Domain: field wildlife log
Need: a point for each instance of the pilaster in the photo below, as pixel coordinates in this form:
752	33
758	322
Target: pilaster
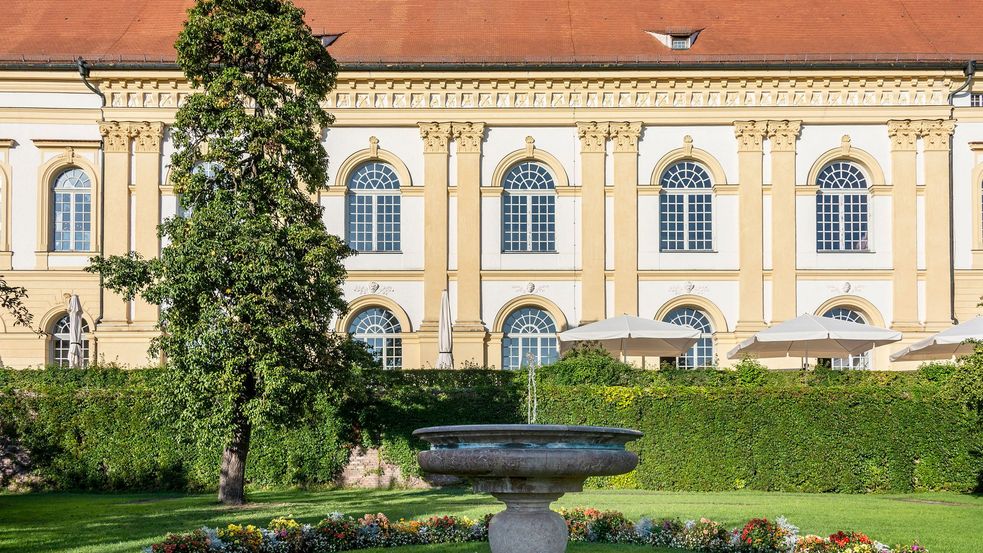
625	136
6	255
147	146
750	135
116	223
593	145
436	138
936	139
783	137
904	144
469	331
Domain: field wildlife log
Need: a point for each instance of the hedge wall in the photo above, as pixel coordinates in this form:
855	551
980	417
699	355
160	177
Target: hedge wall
97	429
790	439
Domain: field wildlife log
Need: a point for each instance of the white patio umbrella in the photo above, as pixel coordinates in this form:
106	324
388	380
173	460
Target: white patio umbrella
811	336
951	342
627	335
445	359
74	332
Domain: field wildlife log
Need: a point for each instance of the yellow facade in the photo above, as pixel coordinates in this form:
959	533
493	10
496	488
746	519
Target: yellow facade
455	114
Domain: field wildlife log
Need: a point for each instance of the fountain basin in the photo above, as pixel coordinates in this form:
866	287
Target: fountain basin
528	467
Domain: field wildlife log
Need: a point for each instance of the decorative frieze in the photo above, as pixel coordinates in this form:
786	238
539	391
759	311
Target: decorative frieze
625	136
468	136
783	134
749	135
436	137
593	136
385	92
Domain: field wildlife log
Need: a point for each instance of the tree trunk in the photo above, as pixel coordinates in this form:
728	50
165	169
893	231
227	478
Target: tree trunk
232	479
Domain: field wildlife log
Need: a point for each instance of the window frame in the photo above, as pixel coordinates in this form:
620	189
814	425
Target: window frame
705	341
390	340
526	198
73	195
688	194
60	341
840	196
866	359
544	342
388	197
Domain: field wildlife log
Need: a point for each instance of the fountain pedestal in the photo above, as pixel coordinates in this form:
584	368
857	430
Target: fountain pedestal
527	467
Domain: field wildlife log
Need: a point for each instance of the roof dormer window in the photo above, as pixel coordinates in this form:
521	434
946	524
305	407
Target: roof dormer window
676	39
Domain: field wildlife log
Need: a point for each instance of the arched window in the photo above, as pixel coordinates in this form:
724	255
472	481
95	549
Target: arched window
530	337
861	361
529	209
373	208
61	342
842	212
686	208
701	354
73	211
379	328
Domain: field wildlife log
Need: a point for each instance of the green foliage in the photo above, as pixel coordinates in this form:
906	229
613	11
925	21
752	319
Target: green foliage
965	384
250	276
587	364
812	439
750	373
101	429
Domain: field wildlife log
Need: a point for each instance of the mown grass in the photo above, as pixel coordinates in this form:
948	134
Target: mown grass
116	523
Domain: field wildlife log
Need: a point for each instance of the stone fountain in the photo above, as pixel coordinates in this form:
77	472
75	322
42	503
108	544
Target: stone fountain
527	467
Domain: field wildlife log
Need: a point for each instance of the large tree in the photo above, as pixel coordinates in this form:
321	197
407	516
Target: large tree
249	279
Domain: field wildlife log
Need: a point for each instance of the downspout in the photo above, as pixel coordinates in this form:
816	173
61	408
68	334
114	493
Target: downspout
970	72
83	69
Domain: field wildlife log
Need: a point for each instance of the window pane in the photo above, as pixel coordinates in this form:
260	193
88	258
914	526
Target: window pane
672	223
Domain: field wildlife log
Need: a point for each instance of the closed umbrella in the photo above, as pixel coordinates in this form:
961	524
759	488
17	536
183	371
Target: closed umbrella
944	345
74	332
635	336
809	335
445	359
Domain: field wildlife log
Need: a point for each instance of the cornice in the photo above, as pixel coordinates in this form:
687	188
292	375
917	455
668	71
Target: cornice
73	144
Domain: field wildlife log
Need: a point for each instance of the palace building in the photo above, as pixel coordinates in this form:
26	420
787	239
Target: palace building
724	165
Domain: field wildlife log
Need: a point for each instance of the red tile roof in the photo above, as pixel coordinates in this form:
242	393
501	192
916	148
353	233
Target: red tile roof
537	32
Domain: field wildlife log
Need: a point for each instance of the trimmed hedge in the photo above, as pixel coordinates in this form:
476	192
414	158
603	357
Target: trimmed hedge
98	429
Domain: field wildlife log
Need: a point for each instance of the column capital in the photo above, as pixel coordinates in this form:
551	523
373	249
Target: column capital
937	134
749	135
903	134
593	136
436	137
148	135
783	135
469	136
116	136
626	136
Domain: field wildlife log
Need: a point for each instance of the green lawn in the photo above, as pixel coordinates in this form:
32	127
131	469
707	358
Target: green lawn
91	523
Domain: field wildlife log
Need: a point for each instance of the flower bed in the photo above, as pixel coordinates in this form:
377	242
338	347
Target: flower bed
338	532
